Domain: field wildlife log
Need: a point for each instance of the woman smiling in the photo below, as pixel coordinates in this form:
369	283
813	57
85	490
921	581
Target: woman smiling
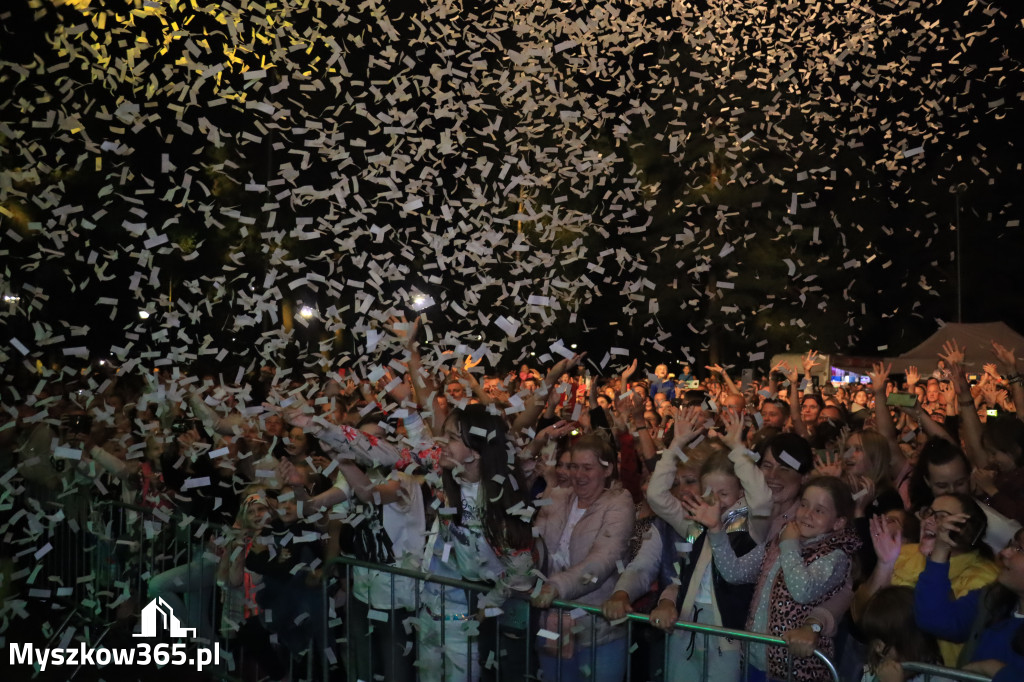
586	530
475	538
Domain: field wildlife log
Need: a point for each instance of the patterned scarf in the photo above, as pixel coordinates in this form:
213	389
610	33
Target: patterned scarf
784	613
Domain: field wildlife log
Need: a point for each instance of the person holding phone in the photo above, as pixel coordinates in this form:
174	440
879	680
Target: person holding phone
986	620
970	561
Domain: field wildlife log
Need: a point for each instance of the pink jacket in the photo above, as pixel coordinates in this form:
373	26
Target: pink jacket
598	543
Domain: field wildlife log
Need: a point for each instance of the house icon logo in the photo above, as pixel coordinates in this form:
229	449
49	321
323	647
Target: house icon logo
159	610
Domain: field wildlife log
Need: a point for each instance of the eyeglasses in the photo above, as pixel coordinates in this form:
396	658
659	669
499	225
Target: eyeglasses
928	512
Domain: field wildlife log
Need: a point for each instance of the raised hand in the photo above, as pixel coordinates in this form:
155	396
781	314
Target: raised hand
632	403
948	393
562	366
790	531
687	426
707	515
403	331
832	465
559	429
959	379
947	527
791	372
913	376
629	371
887	539
864	494
991	370
1004	401
288	474
990	393
1006	356
879	373
952	352
733	436
810	361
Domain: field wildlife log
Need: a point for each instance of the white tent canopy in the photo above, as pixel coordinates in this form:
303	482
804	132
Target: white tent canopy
975	338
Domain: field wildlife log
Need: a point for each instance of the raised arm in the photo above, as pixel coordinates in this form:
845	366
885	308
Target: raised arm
970	425
534	407
482	396
423	386
544	436
365	489
1013	368
631	403
932	428
729	385
887	542
756	492
125	471
687	427
626	374
794	402
224	425
883	419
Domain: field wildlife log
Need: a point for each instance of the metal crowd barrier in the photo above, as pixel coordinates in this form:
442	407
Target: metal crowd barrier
99	562
706	631
938	673
109	563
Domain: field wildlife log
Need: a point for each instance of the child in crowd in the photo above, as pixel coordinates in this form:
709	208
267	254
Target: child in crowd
808	565
702	595
894	638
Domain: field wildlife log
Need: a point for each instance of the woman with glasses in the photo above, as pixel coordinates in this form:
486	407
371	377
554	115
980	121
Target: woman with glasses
942	467
988	621
970	565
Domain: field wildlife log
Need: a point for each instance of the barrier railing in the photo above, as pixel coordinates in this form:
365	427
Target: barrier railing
126	547
937	673
708	631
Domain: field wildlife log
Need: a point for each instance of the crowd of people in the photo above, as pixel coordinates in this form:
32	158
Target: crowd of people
879	523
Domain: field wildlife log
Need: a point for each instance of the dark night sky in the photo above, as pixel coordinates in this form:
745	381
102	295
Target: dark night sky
715	179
